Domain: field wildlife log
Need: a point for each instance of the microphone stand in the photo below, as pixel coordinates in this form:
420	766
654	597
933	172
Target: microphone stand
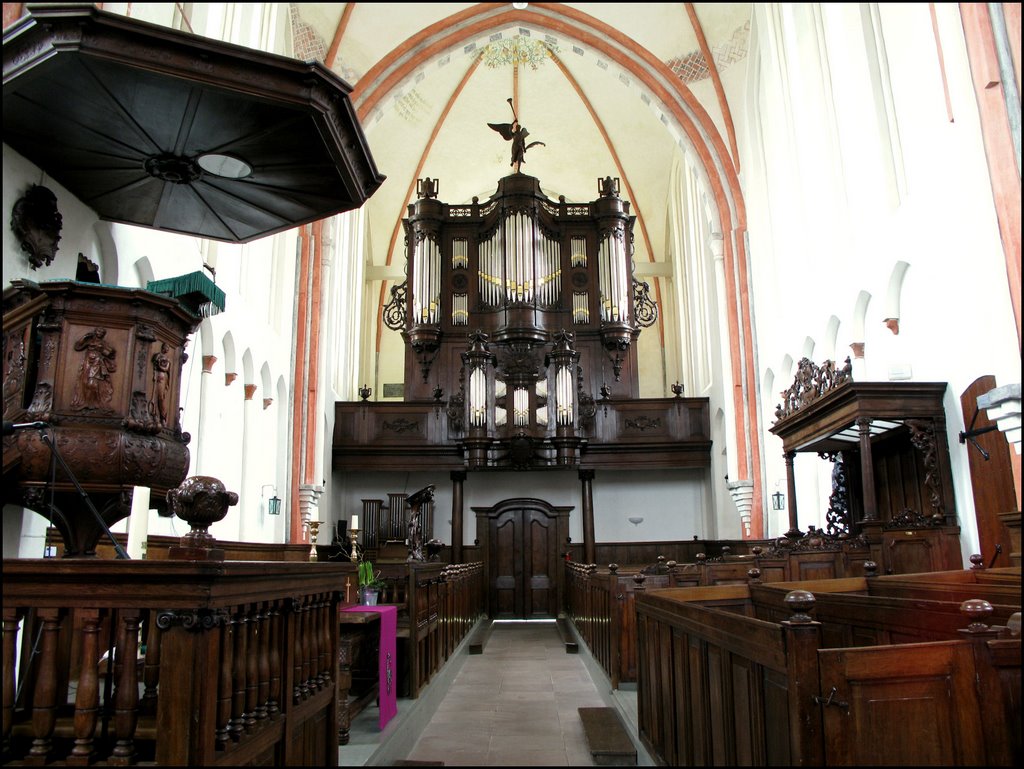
122	554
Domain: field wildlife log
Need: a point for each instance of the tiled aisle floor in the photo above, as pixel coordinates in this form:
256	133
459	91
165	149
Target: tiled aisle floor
514	705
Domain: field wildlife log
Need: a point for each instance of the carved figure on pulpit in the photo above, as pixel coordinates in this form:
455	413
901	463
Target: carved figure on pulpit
161	383
94	387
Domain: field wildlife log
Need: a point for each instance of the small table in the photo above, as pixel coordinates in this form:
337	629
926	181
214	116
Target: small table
358	682
367	633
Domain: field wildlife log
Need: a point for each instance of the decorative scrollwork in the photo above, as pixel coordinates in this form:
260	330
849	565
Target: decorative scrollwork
837	516
814	541
36	223
922	437
394	310
811	383
401	426
587	406
194	621
911	519
643	423
644	308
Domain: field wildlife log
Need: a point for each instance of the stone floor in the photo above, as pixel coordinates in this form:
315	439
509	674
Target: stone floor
514	705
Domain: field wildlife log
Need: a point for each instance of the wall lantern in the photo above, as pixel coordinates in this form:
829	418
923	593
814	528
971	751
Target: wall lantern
274	503
778	501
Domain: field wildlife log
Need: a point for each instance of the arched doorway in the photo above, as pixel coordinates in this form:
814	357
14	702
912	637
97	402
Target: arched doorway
522	543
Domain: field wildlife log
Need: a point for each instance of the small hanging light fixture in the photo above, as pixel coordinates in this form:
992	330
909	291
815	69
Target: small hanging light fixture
778	501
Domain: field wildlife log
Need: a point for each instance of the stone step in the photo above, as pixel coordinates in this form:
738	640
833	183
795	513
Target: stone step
607	737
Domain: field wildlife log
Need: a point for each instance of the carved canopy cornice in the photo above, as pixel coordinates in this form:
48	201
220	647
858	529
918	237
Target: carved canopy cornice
811	383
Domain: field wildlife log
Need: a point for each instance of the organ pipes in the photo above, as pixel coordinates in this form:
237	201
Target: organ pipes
613	277
478	398
563	396
426	294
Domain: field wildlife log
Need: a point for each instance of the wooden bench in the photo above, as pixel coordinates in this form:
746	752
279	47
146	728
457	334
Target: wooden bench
609	742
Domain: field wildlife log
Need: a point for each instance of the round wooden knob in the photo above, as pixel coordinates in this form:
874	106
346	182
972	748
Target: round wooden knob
800	602
870	569
613	567
976	610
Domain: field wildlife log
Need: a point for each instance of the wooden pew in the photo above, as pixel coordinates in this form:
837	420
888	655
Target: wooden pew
437	606
824	672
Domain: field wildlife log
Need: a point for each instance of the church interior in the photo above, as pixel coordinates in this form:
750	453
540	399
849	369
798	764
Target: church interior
511	383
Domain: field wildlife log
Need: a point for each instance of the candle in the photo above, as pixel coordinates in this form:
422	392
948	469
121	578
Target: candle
138	522
355	522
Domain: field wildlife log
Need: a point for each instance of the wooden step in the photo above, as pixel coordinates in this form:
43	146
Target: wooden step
571	647
609	742
479	638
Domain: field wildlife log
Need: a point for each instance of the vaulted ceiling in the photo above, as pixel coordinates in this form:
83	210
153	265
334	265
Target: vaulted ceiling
611	89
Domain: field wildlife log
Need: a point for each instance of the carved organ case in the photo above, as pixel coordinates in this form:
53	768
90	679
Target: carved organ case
516	312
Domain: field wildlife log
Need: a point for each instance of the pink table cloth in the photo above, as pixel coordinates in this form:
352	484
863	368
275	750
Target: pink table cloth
386	663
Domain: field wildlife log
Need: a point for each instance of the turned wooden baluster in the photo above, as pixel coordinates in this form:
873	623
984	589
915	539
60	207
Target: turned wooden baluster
151	667
307	646
44	701
301	688
263	661
325	640
252	667
126	697
225	684
274	694
237	724
316	671
10	631
87	698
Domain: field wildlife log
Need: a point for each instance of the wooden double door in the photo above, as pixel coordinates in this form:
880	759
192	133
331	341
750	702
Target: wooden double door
523	543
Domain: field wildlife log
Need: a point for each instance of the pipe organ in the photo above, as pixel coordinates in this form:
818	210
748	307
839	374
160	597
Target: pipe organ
516	312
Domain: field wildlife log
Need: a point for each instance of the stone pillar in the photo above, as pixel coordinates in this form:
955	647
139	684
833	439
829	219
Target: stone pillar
458	479
248	525
204	399
589	548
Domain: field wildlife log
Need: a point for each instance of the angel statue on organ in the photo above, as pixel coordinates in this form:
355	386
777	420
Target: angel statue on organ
515	133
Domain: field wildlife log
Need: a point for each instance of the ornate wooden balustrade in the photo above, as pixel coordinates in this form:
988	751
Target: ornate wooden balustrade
230	662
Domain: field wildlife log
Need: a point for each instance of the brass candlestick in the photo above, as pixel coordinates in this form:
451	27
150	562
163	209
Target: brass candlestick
353	535
314	531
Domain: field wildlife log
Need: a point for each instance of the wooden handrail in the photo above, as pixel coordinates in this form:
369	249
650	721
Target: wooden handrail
234	660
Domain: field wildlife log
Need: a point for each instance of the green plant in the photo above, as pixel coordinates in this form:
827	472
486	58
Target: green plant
368	577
